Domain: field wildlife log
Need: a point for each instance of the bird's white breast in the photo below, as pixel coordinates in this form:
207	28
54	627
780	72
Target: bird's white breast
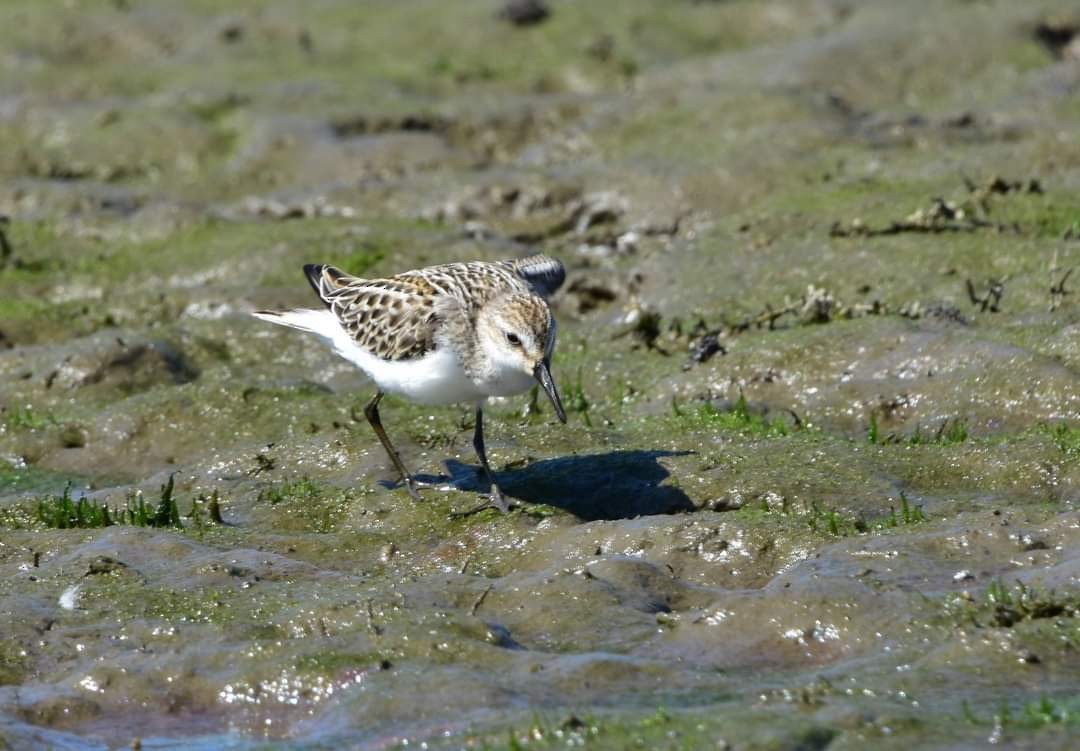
435	378
507	382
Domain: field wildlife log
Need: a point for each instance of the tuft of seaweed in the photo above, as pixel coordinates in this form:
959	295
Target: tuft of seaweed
65	512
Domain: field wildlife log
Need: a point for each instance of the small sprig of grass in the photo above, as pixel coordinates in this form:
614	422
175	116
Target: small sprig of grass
576	399
302	489
1047	711
951	431
65	512
1030	716
829	521
1067	438
1021	603
167	514
739	418
28	418
304	505
908	514
1002	606
834	523
208	506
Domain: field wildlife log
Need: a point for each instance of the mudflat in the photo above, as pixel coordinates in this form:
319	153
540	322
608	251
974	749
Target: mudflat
819	344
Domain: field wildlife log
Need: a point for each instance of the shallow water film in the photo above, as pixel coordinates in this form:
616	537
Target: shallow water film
819	345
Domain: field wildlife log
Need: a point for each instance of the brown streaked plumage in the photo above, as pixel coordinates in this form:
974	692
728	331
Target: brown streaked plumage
396	318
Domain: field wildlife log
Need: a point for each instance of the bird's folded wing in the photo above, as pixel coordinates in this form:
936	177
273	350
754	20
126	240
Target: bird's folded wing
391	318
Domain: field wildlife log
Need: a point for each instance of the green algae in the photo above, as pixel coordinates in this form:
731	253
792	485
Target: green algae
15	665
739	418
16	480
307	506
61	512
1066	437
1046	711
813	522
65	512
1005	606
29	419
671	728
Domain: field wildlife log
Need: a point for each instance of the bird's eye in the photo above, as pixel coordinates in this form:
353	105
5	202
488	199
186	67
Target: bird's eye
513	338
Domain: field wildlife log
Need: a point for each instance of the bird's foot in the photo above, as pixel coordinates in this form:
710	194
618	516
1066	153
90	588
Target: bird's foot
414	485
496	500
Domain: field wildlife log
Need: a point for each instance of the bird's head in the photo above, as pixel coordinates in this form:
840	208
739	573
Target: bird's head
517	332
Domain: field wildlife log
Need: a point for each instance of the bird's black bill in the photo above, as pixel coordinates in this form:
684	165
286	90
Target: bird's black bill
543	375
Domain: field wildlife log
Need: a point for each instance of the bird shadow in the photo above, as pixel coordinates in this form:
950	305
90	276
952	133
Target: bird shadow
613	485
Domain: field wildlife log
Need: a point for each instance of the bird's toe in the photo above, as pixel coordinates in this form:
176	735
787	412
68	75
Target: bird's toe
498	500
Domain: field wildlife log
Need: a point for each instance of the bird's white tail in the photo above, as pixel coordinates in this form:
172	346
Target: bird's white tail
321	322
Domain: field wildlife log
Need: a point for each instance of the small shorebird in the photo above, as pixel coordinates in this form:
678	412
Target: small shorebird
458	332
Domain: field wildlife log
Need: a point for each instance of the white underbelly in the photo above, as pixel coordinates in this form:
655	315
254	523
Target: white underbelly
435	378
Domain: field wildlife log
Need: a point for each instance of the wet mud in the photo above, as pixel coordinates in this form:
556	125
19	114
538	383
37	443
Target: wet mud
819	344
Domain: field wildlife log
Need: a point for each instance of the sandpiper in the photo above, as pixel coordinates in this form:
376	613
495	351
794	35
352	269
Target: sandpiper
457	332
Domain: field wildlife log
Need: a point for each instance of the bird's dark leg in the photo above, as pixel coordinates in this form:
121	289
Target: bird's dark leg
371	412
478	444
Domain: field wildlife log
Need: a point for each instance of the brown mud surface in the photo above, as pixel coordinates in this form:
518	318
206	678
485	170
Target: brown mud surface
819	342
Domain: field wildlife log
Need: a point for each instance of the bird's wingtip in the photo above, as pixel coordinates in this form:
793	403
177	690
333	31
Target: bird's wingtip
313	272
543	272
